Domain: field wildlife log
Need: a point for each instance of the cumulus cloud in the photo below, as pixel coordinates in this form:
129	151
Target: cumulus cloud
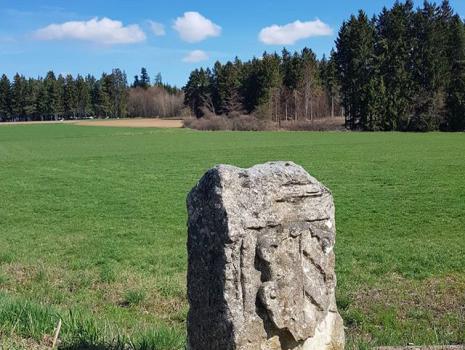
157	28
102	31
290	33
196	56
193	27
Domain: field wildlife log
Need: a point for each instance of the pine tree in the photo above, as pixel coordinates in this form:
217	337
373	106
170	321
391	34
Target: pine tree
93	87
427	78
52	98
393	49
103	99
136	83
39	105
198	92
260	79
226	96
83	89
455	116
144	81
31	92
357	67
70	97
5	98
18	97
117	87
60	88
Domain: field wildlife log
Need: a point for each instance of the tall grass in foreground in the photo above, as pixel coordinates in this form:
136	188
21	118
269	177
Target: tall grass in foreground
28	320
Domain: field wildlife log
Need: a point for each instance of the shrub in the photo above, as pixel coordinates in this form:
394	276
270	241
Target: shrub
252	123
324	124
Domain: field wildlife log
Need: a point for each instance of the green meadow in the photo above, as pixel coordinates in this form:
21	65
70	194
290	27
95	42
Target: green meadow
93	231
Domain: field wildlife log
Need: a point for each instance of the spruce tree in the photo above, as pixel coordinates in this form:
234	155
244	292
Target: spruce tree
144	80
40	102
455	101
70	98
426	64
5	98
31	92
198	92
52	96
357	67
83	95
18	96
393	49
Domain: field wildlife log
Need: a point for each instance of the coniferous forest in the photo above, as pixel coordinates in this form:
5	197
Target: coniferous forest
67	97
401	70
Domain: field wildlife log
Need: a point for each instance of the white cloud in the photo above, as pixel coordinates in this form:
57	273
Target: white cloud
157	28
102	31
290	33
193	27
196	56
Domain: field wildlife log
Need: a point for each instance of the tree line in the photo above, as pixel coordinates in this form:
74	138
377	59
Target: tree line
67	97
403	69
286	86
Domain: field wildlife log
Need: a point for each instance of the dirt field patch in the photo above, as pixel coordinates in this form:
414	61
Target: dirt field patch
134	123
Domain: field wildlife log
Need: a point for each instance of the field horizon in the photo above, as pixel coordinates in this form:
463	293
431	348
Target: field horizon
93	231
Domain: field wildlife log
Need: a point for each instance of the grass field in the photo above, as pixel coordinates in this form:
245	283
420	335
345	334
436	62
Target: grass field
93	231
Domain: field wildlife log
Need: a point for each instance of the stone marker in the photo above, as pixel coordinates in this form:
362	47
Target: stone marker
261	261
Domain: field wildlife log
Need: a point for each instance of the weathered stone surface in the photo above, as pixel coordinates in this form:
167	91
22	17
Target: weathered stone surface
261	261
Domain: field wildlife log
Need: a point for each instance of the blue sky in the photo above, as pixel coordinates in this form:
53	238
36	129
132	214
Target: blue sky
172	37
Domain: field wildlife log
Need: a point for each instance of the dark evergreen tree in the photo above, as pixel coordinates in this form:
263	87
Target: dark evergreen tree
103	107
52	96
116	85
40	102
30	96
260	80
198	92
426	70
83	96
5	98
455	116
393	49
357	67
226	95
70	97
18	97
136	83
144	80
